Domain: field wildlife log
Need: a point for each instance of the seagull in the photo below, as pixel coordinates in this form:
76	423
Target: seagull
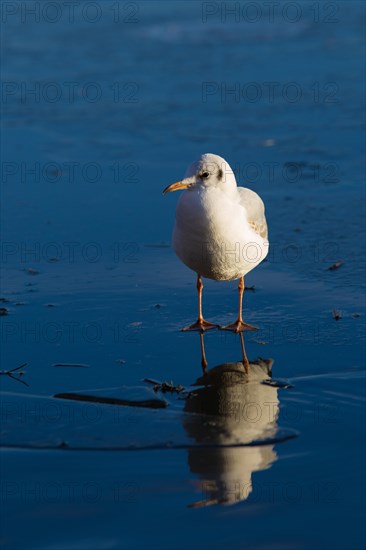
220	230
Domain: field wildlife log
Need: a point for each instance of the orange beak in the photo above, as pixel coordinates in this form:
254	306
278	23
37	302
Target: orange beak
184	184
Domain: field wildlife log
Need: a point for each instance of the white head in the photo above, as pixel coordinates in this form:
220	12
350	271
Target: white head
208	171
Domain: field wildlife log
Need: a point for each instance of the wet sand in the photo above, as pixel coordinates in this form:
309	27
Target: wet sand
94	296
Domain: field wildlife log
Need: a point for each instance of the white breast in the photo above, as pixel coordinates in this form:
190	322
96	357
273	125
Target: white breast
212	235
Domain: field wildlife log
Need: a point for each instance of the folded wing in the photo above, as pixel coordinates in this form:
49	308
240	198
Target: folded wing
255	211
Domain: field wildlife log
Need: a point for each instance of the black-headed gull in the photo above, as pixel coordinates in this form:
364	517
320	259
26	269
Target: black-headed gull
220	229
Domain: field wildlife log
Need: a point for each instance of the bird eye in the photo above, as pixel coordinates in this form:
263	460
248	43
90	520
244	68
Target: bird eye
205	175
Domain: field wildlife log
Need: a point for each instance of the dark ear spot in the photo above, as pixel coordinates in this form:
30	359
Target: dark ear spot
219	174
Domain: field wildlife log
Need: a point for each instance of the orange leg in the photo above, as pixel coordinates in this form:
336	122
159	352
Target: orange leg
200	324
239	325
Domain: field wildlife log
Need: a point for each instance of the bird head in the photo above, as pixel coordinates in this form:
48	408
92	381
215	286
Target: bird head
208	171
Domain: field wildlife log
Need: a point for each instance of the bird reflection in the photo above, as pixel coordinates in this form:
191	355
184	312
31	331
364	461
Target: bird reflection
233	429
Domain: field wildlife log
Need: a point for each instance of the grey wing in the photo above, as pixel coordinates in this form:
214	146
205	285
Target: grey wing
255	210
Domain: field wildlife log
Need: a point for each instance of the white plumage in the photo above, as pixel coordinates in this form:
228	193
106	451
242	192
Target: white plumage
220	230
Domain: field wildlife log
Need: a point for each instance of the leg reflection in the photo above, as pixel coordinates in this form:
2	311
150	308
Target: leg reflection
243	352
203	354
204	362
